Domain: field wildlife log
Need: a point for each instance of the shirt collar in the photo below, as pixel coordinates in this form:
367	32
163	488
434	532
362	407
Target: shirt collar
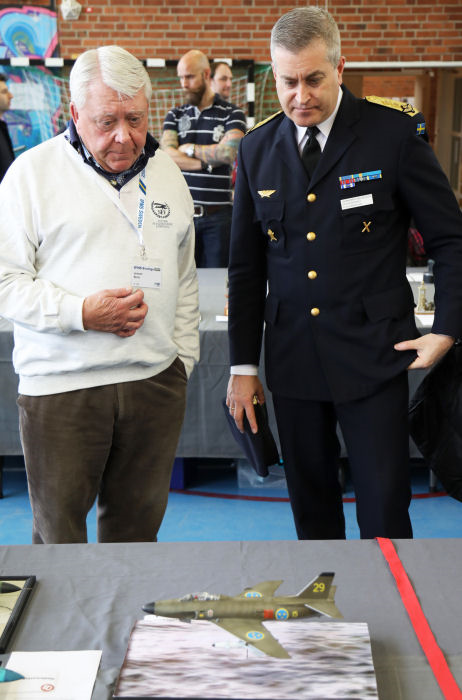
324	127
117	180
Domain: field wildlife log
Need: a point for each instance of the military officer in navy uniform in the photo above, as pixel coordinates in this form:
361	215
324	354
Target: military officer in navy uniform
318	255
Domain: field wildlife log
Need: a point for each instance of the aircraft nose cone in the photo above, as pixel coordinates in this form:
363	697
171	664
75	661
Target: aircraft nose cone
149	608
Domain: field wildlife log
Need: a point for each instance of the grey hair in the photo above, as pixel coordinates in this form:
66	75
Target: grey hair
117	68
302	25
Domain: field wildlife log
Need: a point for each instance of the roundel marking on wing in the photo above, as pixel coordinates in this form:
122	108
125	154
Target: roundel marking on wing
255	636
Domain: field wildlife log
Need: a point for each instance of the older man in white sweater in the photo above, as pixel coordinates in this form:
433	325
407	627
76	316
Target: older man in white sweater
97	273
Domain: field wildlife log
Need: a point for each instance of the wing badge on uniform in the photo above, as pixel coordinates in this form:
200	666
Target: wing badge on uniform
266	193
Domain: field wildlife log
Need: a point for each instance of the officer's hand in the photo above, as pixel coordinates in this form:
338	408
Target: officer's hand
239	399
120	311
430	349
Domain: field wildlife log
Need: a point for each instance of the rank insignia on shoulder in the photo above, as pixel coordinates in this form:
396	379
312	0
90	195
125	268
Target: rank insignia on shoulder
404	107
264	121
266	193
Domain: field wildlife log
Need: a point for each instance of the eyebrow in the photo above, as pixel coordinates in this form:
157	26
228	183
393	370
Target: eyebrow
135	112
315	74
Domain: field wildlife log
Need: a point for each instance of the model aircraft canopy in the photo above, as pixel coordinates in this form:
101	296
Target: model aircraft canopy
199	596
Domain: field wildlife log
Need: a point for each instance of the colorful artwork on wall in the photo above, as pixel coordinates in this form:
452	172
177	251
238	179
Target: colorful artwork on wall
28	31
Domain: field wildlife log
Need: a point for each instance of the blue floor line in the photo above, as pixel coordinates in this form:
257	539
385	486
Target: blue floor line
231	513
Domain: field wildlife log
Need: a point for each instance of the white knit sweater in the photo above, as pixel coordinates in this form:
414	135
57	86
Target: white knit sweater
66	233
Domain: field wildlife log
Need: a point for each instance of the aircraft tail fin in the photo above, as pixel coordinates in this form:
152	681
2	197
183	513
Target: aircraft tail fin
326	606
319	587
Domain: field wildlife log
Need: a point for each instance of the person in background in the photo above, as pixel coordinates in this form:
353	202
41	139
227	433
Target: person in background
324	194
97	274
6	147
222	79
202	136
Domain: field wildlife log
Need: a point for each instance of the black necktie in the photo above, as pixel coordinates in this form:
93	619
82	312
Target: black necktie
311	151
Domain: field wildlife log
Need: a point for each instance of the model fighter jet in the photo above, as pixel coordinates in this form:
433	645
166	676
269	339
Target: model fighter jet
242	615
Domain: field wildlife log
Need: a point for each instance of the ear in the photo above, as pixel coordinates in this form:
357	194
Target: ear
340	67
74	113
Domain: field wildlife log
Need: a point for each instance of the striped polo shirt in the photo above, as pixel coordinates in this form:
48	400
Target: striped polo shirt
207	128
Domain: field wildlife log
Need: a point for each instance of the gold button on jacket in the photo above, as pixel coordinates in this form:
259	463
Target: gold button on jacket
315	311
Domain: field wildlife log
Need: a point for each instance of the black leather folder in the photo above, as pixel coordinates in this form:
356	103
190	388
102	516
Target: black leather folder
260	448
435	420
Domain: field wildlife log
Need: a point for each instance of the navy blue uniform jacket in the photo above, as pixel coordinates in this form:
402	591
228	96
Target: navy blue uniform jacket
329	279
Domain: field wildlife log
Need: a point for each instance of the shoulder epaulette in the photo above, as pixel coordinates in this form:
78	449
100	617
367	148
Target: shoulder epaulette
268	119
404	107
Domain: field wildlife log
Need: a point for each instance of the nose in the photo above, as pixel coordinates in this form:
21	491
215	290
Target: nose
149	608
122	132
303	94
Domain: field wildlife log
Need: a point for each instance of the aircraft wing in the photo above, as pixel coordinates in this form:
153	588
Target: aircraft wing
265	589
254	633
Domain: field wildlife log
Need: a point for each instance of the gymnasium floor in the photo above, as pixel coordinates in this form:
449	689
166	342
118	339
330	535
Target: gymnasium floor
225	501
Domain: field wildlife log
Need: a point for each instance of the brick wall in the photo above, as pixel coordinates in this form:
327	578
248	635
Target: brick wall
372	30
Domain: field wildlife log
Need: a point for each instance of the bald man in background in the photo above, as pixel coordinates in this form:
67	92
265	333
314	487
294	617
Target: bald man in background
202	136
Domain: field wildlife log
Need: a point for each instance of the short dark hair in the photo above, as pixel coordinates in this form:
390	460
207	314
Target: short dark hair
3	78
299	27
216	65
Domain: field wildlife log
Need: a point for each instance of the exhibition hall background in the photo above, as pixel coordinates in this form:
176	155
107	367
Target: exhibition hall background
404	49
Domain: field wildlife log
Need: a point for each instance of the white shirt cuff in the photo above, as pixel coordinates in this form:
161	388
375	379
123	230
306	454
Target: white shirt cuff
244	369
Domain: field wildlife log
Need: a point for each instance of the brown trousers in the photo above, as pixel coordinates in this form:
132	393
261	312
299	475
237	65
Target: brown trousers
113	443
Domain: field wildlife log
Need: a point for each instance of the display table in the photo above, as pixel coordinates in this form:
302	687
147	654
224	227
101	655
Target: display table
88	596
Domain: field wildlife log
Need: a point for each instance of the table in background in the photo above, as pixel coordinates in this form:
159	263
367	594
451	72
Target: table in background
205	433
88	596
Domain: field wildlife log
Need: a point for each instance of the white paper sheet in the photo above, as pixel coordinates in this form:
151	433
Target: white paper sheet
62	675
415	276
426	320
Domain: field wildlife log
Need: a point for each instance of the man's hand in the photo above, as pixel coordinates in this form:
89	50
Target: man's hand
430	348
169	144
239	399
184	148
120	311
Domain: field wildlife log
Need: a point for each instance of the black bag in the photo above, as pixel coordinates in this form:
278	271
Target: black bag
435	420
259	448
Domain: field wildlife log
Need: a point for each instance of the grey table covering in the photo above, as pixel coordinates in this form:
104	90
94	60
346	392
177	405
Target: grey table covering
88	596
205	432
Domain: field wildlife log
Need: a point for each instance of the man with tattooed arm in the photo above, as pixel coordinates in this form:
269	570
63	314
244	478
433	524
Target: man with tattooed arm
202	136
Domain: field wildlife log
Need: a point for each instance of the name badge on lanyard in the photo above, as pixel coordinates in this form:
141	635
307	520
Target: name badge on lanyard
144	272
